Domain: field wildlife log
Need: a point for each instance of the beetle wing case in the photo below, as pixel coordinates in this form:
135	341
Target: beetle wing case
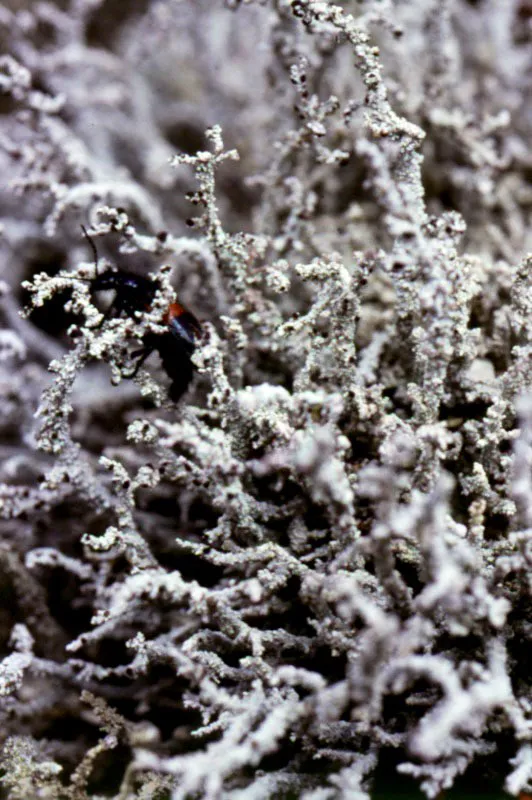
185	328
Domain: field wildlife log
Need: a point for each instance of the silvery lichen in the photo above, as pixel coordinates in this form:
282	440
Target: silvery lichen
315	569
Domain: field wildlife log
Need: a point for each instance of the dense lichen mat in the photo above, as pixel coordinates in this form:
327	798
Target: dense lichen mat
265	399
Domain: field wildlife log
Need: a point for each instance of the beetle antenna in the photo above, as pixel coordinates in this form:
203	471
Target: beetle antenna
93	246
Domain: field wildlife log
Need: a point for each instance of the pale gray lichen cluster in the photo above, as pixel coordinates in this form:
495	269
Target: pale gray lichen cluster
316	568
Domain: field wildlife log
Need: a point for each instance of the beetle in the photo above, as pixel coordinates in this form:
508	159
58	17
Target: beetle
175	345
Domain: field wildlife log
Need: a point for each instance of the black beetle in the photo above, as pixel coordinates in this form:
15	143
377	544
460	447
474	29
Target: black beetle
134	293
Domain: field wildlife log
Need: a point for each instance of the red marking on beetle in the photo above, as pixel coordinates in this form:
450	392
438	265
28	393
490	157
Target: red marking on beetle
173	311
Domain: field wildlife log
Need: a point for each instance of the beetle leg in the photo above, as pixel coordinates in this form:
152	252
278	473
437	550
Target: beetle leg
143	353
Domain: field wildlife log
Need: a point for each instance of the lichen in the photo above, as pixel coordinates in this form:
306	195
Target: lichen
316	567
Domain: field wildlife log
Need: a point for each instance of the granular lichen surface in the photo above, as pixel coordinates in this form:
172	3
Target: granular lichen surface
310	577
